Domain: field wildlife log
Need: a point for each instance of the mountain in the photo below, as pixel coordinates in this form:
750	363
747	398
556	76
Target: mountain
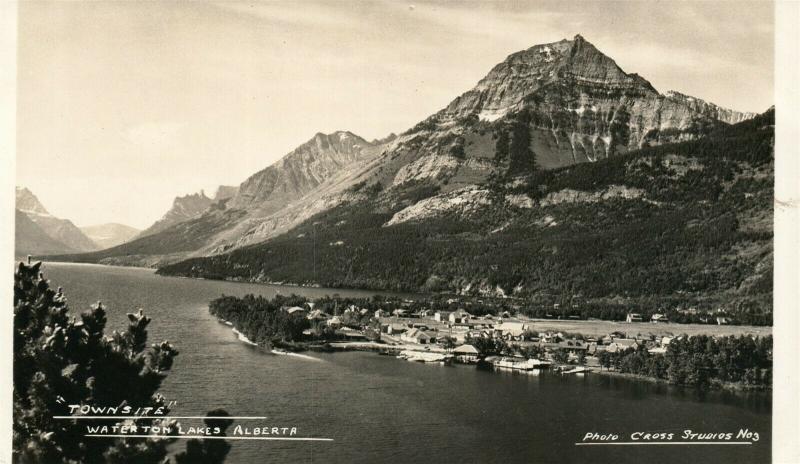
684	224
280	195
541	109
61	231
300	171
109	235
325	161
183	208
567	102
30	239
188	207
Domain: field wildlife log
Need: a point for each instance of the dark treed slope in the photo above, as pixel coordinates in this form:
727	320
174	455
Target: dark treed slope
688	223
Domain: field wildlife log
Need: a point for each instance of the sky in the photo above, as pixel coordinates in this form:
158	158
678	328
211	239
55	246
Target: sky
122	106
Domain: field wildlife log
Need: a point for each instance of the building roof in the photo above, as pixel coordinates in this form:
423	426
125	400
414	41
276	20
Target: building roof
465	349
626	342
416	334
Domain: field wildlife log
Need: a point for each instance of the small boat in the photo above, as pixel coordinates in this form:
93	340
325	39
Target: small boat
518	364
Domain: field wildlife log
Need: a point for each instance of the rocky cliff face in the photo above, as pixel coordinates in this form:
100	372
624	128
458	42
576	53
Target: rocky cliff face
183	208
300	171
189	207
226	191
61	231
707	109
576	106
576	61
27	202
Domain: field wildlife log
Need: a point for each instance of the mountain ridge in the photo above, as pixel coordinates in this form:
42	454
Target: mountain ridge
546	107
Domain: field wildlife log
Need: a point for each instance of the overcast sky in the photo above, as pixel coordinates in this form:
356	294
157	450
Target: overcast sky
123	106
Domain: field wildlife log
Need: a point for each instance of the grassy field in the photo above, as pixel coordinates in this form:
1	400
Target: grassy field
595	328
599	328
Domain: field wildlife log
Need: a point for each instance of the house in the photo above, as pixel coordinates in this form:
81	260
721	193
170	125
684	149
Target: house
441	316
573	345
318	315
295	309
626	342
459	316
350	334
511	330
466	353
393	329
400	312
633	317
415	336
334	322
622	344
380	313
593	349
723	320
656	318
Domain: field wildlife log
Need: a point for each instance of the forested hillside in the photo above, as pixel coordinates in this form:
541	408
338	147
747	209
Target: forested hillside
678	225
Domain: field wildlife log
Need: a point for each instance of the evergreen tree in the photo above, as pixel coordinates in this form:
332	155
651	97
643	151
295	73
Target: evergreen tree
61	360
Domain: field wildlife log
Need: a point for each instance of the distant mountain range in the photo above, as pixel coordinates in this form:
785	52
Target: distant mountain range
541	159
110	234
38	231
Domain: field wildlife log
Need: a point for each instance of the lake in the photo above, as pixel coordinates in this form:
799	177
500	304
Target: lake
381	409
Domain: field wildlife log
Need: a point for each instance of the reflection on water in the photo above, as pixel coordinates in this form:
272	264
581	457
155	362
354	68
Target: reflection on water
381	409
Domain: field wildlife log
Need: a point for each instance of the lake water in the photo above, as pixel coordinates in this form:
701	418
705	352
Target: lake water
380	409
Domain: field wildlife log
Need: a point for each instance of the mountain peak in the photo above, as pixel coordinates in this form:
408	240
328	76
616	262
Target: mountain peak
576	63
300	171
28	203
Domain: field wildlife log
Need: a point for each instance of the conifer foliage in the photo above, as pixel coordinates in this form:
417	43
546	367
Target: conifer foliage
62	360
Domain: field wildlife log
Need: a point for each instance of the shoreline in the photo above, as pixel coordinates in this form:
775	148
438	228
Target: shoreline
385	349
713	386
556	324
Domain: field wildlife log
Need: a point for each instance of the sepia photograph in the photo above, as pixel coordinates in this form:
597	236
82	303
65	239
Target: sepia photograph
394	232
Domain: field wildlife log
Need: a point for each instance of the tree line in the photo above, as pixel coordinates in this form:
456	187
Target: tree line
700	361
